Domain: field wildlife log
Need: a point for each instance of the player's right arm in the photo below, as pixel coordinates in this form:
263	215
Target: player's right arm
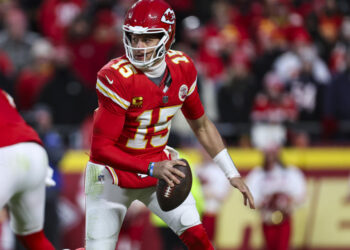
104	136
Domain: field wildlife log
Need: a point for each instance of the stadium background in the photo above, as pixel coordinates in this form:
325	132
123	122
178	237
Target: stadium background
283	63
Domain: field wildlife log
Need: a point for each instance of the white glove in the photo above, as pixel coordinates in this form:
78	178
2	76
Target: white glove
48	180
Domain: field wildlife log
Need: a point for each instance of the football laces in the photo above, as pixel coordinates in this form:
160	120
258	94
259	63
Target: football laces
168	191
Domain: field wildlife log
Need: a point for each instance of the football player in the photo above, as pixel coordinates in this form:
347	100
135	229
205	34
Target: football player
24	169
139	93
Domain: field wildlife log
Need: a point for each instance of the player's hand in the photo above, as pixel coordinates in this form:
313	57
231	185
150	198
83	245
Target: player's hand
165	170
238	183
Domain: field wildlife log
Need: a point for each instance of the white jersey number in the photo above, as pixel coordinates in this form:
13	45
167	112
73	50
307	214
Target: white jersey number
126	70
177	56
164	123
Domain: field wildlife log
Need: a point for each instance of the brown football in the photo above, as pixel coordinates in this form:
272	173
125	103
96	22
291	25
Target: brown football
171	197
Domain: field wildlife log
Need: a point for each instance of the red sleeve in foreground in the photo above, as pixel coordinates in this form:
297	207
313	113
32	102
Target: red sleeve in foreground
107	129
192	107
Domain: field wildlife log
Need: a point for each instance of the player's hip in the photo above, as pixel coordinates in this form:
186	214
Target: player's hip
24	163
128	179
97	173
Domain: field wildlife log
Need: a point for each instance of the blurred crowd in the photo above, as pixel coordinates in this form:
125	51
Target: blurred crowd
270	72
277	67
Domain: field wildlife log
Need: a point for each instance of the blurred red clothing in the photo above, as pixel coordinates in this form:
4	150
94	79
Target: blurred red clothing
297	34
88	57
218	46
13	127
329	26
281	231
29	85
277	190
91	52
6	66
56	15
279	110
181	5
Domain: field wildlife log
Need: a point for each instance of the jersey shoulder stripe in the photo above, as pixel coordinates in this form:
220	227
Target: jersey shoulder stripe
192	88
104	90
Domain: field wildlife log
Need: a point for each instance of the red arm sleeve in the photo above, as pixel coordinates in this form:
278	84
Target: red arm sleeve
103	148
192	107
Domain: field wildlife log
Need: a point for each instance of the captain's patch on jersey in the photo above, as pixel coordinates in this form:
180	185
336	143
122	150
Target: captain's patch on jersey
183	92
137	102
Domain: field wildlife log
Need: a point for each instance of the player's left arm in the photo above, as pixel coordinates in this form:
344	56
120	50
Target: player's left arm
211	140
207	133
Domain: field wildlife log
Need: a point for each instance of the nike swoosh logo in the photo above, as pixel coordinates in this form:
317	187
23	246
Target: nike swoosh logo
109	81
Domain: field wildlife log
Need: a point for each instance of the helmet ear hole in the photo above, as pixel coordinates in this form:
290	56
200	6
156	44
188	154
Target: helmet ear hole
128	36
159	35
160	51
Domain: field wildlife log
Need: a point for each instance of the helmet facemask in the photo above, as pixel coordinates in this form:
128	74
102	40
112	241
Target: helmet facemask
159	50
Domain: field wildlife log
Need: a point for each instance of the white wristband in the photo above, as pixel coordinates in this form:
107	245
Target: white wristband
224	161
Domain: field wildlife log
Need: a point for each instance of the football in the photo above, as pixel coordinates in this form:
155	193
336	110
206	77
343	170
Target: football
171	197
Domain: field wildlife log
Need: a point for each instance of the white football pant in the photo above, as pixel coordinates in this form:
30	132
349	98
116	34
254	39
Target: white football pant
23	169
106	206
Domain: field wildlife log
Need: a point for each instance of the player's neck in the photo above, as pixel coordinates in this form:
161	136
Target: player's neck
156	70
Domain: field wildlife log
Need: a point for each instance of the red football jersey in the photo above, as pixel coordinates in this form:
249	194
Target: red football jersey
13	129
148	109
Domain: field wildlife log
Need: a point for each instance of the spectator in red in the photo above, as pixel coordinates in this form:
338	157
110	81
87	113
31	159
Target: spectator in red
271	110
6	72
271	99
34	76
278	190
55	16
274	104
222	36
92	45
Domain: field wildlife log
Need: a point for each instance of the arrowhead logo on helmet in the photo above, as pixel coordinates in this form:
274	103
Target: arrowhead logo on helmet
168	16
